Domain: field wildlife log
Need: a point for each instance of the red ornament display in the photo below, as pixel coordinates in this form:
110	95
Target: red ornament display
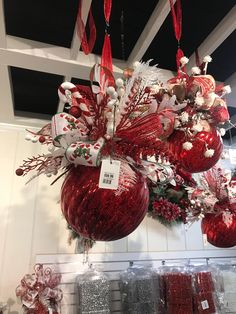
103	214
220	230
194	159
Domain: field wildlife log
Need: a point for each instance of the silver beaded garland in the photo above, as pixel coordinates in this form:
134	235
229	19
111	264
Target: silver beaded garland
139	290
93	293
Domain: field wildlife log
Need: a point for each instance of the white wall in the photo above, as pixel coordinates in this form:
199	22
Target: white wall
31	222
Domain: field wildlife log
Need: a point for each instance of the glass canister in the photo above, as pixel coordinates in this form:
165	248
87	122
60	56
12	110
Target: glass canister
92	289
139	290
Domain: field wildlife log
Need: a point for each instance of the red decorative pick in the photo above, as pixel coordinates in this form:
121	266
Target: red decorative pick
86	45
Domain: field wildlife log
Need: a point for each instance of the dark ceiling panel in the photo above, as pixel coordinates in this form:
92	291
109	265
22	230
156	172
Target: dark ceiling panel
35	92
199	19
50	22
135	16
77	81
223	64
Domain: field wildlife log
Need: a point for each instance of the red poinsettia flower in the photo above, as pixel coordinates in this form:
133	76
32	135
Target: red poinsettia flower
166	209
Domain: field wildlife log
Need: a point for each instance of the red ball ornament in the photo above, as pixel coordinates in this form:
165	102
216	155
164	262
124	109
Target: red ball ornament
104	214
75	111
220	114
220	229
194	159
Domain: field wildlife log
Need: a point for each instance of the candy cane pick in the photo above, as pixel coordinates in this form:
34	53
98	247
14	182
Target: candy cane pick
67	91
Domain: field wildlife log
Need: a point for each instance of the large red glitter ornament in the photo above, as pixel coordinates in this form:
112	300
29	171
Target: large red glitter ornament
194	159
220	229
104	214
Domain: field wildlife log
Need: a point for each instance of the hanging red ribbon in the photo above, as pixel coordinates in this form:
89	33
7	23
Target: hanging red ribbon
86	45
179	55
177	18
106	58
107	10
177	23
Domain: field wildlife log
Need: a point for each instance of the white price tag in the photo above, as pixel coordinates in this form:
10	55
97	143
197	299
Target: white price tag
205	305
205	242
232	156
109	174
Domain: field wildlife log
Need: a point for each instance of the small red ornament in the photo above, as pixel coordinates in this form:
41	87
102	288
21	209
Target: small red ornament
42	139
194	159
220	229
75	111
220	114
103	214
19	172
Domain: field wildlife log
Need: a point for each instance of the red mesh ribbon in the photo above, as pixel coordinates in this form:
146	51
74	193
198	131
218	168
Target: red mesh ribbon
146	130
86	45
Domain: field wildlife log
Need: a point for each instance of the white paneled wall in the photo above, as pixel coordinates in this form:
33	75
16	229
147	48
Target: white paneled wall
31	222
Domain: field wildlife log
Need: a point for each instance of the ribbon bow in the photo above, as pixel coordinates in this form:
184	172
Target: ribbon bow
39	293
70	134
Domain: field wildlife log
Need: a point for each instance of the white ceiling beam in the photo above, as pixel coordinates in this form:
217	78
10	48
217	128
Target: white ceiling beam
6	101
75	44
13	42
50	59
151	29
226	26
2	26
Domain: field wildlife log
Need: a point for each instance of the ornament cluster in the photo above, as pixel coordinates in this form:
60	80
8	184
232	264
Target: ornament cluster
158	132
